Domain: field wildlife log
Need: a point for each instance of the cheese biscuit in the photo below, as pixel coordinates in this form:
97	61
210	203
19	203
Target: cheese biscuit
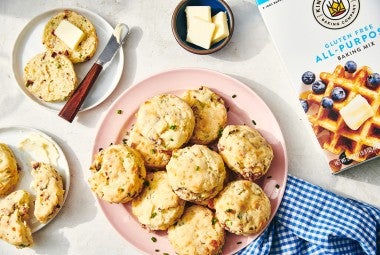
198	232
118	174
245	151
196	173
48	185
14	210
86	47
242	208
50	77
210	114
157	207
9	173
166	120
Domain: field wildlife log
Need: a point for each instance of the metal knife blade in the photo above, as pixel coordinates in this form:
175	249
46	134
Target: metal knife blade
116	40
72	106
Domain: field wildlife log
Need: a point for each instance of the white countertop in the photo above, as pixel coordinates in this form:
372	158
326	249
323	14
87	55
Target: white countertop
81	227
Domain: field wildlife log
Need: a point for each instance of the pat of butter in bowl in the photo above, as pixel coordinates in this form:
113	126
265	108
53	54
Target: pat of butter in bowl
204	30
70	34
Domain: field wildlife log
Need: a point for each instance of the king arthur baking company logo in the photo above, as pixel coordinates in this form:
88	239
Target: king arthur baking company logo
335	14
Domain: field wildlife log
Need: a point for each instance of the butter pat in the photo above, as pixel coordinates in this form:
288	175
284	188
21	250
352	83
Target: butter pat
202	12
356	112
70	34
200	32
221	27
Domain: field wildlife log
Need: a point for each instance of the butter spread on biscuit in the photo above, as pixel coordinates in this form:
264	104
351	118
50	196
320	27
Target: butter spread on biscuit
356	112
40	149
70	34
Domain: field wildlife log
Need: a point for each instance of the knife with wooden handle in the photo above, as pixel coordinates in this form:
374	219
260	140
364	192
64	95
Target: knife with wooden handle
72	106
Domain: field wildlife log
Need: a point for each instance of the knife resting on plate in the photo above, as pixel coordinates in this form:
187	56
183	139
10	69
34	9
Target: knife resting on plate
72	106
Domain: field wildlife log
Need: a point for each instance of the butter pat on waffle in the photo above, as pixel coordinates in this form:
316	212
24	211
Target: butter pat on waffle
343	109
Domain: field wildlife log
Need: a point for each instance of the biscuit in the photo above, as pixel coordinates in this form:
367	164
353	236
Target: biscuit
196	173
157	207
118	174
197	233
154	155
50	77
242	208
166	120
86	48
9	174
210	114
48	185
245	151
13	215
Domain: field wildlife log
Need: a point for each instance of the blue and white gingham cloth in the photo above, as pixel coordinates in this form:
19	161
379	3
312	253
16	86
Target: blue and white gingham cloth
311	220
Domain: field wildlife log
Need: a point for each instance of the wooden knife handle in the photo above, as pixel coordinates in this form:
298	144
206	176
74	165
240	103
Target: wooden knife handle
72	106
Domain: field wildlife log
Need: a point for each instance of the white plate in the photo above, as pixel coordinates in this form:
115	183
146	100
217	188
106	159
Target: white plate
29	43
12	136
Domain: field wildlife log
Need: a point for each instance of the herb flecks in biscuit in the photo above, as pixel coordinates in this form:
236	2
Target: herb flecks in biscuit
86	47
50	77
48	185
118	174
14	211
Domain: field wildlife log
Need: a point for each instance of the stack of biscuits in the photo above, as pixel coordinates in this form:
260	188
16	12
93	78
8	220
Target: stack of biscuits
176	168
15	204
50	75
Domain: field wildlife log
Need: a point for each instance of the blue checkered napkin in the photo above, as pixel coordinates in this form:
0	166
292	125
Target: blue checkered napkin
311	220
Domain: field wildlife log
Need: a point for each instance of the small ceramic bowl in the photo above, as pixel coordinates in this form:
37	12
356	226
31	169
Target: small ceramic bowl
179	25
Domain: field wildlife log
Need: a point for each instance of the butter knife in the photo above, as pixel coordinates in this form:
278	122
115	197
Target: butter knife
72	106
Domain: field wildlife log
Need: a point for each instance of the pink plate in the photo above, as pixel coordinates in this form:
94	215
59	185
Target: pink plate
244	107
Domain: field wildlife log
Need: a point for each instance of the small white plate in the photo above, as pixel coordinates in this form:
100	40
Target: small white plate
29	44
13	136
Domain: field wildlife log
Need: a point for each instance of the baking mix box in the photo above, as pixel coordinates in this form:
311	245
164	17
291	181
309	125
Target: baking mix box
331	49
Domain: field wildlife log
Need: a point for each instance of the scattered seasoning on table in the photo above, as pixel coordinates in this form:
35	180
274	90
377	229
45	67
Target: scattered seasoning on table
234	95
153	239
269	176
100	149
157	250
119	111
165	253
277	186
239	242
253	122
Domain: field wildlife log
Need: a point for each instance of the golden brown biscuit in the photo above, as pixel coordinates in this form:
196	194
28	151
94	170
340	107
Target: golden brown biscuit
50	77
197	233
166	120
210	114
242	208
86	48
154	155
118	174
157	207
9	174
196	173
245	151
13	216
48	185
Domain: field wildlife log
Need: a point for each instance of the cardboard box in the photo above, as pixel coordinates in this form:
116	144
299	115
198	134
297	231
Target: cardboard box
331	49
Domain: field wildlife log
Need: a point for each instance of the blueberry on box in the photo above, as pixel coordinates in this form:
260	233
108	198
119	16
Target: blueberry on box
327	103
308	77
318	87
304	105
338	94
350	67
373	81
